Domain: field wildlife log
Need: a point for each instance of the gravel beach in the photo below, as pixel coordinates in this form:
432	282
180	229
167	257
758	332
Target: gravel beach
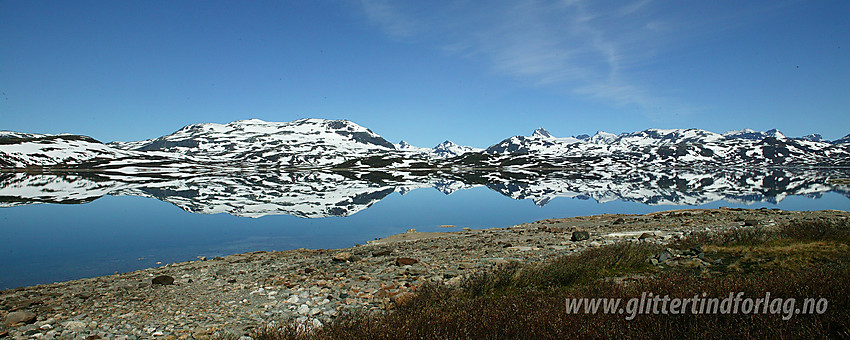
199	299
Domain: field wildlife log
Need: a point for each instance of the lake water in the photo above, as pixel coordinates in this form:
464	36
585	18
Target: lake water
58	228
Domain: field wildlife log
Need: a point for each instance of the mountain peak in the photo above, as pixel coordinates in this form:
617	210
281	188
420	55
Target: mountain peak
602	137
248	121
814	137
445	145
775	133
753	134
541	132
450	149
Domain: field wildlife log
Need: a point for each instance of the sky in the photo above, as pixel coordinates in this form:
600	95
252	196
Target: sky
474	72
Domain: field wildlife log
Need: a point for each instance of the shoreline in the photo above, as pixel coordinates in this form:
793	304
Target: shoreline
237	293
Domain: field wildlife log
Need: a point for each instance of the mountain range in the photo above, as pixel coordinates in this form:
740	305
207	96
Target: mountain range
332	144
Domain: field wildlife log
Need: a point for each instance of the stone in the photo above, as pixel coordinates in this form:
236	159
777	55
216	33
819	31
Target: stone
401	298
646	236
455	281
20	317
696	251
405	261
751	223
579	236
382	252
163	280
74	326
342	257
303	309
619	221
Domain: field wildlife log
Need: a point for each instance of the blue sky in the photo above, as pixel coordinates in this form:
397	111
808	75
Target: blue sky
426	71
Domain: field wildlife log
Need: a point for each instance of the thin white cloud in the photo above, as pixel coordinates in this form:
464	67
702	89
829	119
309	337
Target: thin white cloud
384	13
572	45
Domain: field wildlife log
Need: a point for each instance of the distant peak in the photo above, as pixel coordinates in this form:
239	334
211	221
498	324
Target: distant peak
814	137
739	132
249	121
541	132
775	133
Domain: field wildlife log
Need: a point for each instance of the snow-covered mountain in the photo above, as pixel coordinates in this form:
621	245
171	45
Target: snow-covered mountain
674	148
657	137
753	134
406	147
20	150
602	137
301	143
541	133
540	142
449	149
445	149
319	143
814	137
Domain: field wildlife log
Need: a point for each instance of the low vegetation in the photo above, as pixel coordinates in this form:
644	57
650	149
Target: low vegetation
801	260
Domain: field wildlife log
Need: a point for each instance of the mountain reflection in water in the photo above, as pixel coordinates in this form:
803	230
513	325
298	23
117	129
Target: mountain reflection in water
314	194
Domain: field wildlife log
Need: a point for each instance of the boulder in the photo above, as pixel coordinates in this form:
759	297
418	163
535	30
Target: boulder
342	257
20	317
405	261
579	236
646	236
163	280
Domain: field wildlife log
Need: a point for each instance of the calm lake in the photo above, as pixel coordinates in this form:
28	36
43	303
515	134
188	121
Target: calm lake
72	226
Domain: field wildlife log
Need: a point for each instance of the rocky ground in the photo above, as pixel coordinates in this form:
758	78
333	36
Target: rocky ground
198	299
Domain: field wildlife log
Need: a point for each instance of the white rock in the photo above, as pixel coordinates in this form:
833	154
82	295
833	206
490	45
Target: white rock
303	309
75	326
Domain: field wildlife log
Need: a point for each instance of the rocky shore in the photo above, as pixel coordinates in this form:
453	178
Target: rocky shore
234	294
